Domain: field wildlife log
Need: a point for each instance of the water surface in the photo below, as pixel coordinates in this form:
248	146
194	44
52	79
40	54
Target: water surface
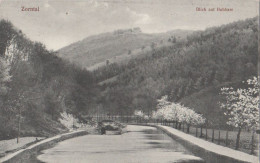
140	144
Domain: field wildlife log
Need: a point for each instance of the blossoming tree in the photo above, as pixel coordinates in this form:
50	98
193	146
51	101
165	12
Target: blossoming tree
139	114
176	112
71	122
241	106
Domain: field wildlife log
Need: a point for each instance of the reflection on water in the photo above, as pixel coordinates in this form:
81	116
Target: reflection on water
139	144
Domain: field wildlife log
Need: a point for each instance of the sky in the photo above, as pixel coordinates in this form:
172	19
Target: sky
62	22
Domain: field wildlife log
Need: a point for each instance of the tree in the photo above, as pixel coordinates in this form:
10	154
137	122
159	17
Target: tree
107	62
4	75
241	106
52	106
5	113
6	35
191	69
139	114
176	112
153	45
35	82
70	121
173	39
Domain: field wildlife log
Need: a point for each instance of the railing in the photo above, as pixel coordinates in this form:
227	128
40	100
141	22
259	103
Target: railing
118	118
248	140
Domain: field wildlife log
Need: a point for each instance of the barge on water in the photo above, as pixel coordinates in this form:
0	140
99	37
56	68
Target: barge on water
109	127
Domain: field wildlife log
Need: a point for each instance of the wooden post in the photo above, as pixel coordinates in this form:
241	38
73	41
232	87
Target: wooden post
218	136
238	138
206	137
252	143
188	128
196	131
19	125
201	132
227	138
212	139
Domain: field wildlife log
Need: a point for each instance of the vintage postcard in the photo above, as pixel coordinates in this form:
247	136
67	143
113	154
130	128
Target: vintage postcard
129	81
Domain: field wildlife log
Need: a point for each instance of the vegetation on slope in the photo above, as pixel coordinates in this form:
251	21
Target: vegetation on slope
40	88
115	47
190	71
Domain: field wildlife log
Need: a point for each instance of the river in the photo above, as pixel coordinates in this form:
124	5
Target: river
141	144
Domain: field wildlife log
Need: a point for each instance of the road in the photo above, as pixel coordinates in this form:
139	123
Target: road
139	144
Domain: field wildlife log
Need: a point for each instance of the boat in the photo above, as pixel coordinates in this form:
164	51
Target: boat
109	127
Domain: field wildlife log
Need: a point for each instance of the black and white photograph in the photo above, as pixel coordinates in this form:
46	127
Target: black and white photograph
129	81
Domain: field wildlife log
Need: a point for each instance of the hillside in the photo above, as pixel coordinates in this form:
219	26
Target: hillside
36	86
115	47
190	71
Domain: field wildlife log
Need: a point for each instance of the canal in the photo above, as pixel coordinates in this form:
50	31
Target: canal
139	144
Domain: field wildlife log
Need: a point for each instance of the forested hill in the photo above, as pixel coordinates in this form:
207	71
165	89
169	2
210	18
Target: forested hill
190	71
116	47
36	86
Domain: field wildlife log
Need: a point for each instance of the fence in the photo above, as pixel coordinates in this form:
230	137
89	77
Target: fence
248	140
119	118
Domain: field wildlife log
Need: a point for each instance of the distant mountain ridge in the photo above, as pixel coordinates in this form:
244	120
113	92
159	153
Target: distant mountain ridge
120	45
